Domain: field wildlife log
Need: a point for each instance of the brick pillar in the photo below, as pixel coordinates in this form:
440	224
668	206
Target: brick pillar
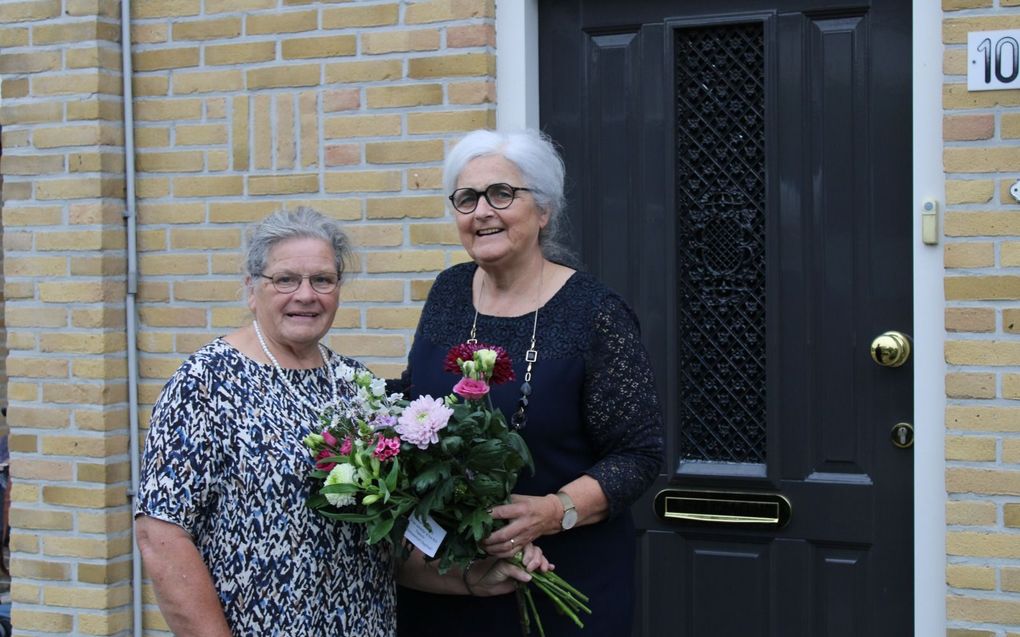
64	244
982	252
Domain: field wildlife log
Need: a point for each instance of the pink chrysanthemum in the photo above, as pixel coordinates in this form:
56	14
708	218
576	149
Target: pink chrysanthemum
386	448
422	420
502	371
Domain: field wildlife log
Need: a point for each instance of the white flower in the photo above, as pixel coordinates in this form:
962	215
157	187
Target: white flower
363	377
341	474
346	373
378	386
486	359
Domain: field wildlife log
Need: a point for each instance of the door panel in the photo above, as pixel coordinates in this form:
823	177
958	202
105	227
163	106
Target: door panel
740	172
747	584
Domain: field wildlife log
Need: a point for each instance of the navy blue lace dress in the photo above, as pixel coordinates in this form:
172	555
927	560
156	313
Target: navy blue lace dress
593	411
224	460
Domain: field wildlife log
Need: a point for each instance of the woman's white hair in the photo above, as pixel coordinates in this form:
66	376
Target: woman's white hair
540	165
300	223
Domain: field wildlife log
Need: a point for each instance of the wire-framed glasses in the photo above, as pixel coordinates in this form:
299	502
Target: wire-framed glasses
499	196
287	282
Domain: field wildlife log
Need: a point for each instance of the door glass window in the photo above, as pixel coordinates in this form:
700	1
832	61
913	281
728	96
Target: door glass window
720	196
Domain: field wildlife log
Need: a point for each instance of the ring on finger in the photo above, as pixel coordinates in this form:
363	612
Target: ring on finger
511	541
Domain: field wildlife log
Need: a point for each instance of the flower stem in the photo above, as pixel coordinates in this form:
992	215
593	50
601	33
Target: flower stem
567	599
534	610
563	605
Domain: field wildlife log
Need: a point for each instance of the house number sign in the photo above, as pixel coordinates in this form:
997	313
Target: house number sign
993	60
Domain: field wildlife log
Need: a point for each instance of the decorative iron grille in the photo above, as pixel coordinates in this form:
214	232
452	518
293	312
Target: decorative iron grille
720	187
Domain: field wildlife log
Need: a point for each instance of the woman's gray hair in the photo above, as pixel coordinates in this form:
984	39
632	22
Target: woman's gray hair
300	223
541	166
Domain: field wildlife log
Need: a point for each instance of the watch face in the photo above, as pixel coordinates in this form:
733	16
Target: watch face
569	518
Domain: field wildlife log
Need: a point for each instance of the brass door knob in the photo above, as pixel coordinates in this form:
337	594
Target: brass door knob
890	349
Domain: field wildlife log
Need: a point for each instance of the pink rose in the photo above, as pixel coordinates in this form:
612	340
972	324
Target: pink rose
325	466
386	448
329	438
345	449
471	389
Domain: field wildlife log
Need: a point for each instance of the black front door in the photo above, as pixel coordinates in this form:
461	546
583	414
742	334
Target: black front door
740	171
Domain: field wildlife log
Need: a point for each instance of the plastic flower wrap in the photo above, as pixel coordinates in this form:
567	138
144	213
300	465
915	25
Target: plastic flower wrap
445	461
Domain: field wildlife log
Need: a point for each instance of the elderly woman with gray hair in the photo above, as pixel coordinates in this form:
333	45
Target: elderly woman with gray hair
222	524
584	398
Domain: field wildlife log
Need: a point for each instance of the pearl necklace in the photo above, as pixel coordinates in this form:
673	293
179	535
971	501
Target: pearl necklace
316	409
520	417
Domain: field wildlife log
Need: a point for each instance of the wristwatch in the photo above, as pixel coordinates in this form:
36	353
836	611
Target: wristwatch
569	512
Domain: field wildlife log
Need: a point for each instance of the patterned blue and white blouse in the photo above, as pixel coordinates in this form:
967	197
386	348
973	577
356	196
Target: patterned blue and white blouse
224	460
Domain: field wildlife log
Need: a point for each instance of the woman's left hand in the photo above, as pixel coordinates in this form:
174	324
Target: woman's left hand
530	517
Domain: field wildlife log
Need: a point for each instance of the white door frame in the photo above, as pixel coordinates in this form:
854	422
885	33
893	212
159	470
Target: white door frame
517	106
929	330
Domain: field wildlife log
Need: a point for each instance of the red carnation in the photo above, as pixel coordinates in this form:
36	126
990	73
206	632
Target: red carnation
502	370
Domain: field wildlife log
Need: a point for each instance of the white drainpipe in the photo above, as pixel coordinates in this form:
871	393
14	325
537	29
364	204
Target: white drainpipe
132	290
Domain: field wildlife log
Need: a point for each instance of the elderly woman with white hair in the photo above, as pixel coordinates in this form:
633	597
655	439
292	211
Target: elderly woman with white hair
222	524
584	399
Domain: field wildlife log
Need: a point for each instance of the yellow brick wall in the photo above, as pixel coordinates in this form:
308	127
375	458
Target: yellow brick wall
981	251
64	299
241	107
347	108
3	325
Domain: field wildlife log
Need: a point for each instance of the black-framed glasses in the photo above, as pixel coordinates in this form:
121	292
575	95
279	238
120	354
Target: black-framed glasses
287	282
499	196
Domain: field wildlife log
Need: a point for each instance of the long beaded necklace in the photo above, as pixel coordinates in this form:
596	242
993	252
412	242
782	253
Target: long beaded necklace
520	417
316	409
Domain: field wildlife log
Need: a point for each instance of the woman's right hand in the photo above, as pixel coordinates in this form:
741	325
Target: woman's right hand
500	576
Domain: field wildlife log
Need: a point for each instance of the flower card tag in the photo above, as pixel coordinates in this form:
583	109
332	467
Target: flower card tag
425	540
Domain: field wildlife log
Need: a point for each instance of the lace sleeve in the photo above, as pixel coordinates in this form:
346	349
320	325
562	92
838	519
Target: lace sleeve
622	412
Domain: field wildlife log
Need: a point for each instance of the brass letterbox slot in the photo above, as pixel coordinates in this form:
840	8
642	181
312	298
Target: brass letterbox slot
723	508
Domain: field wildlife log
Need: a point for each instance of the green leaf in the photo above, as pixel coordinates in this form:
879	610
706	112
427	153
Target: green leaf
347	489
403	507
452	444
316	501
380	530
478	524
424	507
521	447
398	530
391	477
486	455
430	476
358	518
443	493
487	487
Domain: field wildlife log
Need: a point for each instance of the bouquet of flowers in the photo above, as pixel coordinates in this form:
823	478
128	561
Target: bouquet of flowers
432	467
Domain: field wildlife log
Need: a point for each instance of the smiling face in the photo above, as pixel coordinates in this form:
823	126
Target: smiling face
499	238
295	321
